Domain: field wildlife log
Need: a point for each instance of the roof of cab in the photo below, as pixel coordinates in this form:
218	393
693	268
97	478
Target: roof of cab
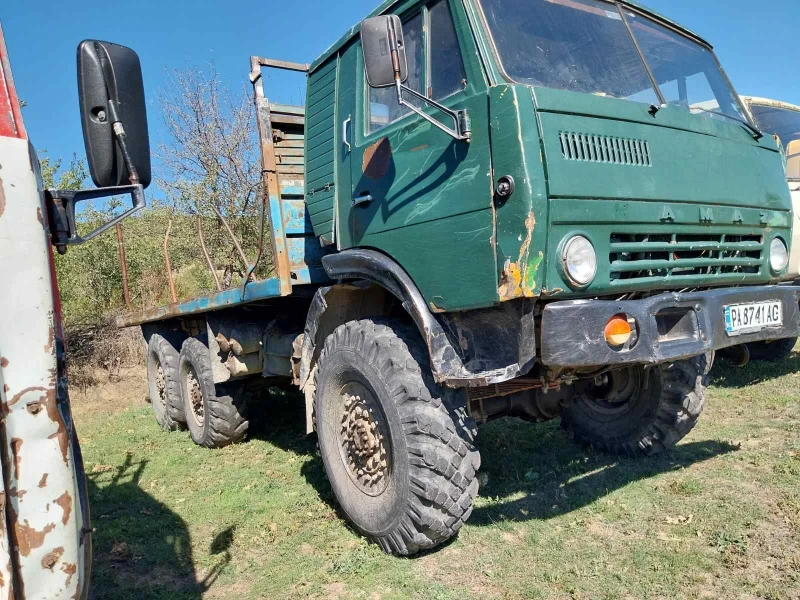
388	5
771	103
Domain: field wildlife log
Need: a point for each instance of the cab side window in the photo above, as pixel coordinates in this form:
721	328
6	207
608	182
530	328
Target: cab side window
447	68
383	105
435	66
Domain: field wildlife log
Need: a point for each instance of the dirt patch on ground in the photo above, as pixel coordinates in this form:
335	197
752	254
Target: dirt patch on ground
455	567
113	393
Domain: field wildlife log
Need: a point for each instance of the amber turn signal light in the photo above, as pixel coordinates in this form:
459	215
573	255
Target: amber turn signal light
618	331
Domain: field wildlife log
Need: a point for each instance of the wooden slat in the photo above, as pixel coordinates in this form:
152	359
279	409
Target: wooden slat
280	151
290	160
287	109
286	119
283	136
291	169
290	144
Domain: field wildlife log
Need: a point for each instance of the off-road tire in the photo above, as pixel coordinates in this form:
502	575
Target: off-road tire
224	414
662	414
432	473
775	351
164	389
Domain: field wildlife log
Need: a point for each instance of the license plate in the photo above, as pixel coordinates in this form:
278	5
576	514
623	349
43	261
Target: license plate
754	316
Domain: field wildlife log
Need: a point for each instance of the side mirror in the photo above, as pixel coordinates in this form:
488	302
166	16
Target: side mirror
386	65
114	119
384	50
111	95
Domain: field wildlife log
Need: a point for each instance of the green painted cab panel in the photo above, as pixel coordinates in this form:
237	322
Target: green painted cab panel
431	207
521	220
320	149
639	157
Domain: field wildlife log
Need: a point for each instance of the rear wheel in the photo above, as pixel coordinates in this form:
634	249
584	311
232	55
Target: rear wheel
637	411
772	351
214	418
396	447
163	383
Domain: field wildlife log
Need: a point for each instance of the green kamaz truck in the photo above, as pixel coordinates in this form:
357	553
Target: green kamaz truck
486	208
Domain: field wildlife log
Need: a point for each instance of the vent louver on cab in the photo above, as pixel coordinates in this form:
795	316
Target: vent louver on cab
605	149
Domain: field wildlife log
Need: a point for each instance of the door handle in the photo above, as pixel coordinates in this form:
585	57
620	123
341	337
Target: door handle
364	198
345	133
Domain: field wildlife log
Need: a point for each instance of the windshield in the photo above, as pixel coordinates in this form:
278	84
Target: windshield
585	46
686	72
784	123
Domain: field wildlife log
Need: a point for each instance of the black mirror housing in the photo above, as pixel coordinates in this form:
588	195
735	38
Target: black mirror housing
111	94
379	36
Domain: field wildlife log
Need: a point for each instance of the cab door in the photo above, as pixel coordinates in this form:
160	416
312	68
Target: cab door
417	194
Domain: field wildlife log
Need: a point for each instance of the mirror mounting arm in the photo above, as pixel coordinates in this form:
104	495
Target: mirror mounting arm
461	125
461	130
61	212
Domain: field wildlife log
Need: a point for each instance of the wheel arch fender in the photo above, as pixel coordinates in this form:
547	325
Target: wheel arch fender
469	349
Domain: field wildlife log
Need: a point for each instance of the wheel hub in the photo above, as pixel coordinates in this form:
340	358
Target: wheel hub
617	391
195	398
363	441
161	387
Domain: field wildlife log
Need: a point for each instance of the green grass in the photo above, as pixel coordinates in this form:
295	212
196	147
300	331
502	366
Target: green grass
718	516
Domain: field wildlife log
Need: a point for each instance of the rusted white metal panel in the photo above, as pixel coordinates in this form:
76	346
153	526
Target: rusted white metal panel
45	522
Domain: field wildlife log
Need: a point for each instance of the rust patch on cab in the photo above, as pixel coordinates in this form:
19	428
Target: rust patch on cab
377	159
51	339
16	445
69	569
16	398
43	481
65	502
50	559
61	432
514	280
29	538
3	362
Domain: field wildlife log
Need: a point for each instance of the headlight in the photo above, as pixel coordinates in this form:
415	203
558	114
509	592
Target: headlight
778	255
579	260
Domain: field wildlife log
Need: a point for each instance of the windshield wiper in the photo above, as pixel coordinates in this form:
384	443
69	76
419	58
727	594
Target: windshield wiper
757	135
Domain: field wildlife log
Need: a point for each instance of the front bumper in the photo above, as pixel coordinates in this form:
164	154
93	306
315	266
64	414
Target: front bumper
671	326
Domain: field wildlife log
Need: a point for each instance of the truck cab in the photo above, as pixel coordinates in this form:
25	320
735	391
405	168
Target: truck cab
615	127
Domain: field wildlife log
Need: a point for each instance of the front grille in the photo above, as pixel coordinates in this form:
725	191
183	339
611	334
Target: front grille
638	256
605	149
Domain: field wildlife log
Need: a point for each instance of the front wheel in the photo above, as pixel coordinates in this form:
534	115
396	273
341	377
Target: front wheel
396	447
639	411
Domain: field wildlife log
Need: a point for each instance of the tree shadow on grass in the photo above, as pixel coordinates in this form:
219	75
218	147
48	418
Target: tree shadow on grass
725	376
556	475
141	548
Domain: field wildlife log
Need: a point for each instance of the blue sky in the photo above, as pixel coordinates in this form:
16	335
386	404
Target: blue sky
753	41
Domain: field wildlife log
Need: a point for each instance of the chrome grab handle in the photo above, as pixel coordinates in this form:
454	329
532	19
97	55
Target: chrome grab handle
345	132
364	198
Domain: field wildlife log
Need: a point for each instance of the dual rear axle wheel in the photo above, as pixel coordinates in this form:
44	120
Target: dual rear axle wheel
183	394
